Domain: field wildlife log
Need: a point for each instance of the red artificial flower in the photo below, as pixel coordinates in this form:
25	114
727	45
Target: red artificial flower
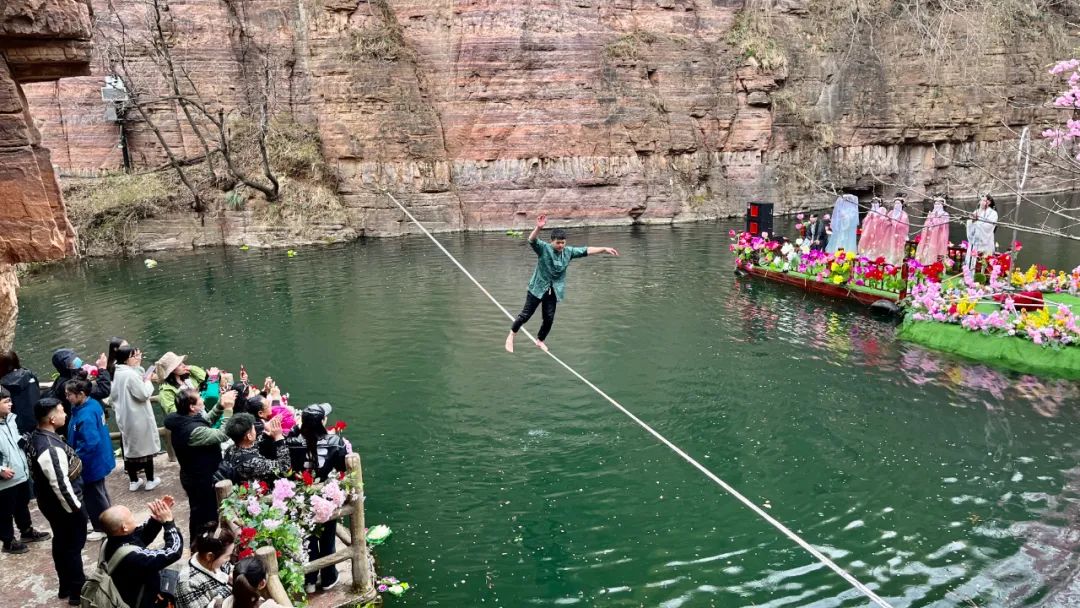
308	478
246	553
880	259
263	487
341	475
277	553
246	534
339	426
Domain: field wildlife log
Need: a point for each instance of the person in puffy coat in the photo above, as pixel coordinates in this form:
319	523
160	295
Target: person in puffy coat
89	435
23	386
67	363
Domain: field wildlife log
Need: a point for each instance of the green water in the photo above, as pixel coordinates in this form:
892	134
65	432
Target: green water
509	483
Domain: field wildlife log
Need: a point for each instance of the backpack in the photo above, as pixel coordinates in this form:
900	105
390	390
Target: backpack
227	470
99	591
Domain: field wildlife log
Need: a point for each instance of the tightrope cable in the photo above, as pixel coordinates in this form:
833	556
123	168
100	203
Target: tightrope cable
821	557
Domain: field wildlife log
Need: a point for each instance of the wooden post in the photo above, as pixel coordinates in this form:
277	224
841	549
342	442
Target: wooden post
222	489
361	571
274	588
166	437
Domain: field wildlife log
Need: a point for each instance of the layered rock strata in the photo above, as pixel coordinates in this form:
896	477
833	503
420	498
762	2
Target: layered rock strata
480	113
40	40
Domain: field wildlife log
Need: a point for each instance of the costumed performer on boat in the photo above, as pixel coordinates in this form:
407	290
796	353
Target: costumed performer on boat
845	222
980	231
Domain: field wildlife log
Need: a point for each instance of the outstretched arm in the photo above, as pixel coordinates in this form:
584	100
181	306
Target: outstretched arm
540	221
596	250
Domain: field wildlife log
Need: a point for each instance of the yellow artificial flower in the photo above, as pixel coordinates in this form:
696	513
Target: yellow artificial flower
838	279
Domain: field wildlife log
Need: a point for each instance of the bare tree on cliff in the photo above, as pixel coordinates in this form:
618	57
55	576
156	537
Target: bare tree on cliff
203	118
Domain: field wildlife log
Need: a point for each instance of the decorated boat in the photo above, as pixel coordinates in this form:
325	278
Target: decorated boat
983	310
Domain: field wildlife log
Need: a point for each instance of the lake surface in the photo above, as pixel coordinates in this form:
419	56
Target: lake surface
509	483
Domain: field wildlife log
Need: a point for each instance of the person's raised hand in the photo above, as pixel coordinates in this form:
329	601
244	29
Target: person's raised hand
168	501
275	393
213	373
273	428
611	251
268	384
228	400
102	361
541	220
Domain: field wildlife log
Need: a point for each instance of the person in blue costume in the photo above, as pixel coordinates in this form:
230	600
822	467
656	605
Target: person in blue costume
845	223
548	284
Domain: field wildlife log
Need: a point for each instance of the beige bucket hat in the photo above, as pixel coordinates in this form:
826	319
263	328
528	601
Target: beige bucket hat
166	364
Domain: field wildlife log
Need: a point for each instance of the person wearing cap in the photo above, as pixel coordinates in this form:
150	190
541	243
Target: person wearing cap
321	453
173	373
130	398
197	445
68	364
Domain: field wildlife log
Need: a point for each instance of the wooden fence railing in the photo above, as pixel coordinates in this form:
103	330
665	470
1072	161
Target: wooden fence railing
353	537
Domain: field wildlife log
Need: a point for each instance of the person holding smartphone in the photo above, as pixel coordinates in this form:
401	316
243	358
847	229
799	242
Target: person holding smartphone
130	398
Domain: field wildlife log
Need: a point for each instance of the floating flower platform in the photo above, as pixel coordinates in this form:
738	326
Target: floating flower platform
1024	321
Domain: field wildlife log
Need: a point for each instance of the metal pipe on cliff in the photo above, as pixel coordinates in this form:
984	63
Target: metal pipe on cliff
1023	151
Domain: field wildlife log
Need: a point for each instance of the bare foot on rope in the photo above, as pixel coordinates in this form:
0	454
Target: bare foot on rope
542	346
510	343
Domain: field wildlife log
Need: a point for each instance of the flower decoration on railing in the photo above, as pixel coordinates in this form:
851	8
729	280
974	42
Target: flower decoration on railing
283	515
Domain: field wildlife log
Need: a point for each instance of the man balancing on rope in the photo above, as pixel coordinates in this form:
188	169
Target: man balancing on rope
548	283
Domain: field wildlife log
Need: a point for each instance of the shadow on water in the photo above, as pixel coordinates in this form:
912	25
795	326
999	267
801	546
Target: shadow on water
507	482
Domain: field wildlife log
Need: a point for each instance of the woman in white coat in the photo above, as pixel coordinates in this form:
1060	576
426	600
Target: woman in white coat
980	231
130	398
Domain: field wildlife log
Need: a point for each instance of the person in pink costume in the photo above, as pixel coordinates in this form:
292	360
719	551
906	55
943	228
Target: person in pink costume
896	231
934	242
870	240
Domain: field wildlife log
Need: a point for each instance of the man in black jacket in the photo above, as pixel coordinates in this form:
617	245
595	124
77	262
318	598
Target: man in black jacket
817	233
198	450
140	584
57	473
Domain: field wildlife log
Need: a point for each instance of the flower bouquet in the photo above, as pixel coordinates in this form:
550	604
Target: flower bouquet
283	516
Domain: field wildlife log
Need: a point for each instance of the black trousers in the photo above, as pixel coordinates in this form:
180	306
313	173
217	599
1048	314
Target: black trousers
96	499
203	503
321	545
548	313
14	505
69	538
145	464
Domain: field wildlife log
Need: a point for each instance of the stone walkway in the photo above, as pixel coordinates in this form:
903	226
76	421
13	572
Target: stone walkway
29	580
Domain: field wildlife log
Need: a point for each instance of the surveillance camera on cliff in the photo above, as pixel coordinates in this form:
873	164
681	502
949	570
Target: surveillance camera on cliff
115	96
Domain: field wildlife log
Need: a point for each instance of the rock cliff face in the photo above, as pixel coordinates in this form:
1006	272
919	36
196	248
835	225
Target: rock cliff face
39	40
479	113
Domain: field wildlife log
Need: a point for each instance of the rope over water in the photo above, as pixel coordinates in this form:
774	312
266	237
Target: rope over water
720	482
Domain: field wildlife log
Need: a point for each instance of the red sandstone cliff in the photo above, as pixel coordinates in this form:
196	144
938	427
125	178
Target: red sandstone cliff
40	40
479	112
